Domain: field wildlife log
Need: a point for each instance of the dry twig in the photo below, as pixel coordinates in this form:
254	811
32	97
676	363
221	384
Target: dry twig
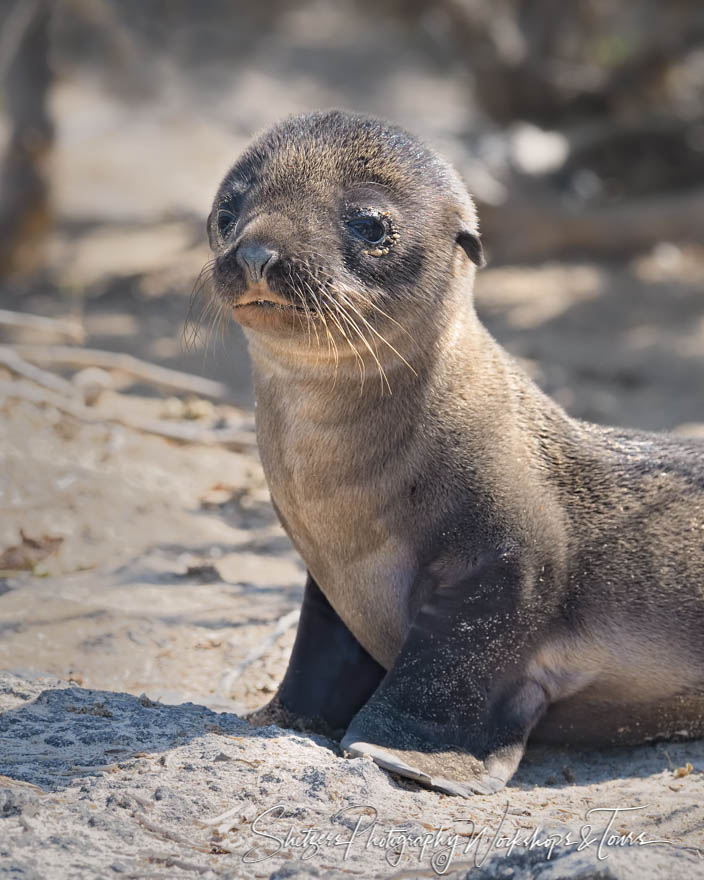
168	834
183	432
282	625
143	371
17	365
62	327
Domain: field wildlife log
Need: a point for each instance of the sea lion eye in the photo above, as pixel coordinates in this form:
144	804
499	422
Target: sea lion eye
225	222
372	230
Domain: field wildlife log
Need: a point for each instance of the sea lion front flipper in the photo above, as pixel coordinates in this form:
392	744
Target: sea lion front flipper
329	677
456	709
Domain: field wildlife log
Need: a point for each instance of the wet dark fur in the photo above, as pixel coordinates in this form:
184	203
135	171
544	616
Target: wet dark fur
482	566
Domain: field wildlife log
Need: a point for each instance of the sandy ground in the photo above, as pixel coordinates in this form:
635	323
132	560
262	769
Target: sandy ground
96	783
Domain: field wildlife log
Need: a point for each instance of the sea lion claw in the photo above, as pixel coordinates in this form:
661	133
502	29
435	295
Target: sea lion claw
388	759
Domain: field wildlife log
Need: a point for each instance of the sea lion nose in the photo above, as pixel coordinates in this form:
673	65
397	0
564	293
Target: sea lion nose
255	258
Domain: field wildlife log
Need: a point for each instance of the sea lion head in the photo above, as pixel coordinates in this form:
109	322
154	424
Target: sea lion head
338	226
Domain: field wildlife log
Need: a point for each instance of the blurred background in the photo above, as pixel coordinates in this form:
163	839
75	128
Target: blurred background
579	128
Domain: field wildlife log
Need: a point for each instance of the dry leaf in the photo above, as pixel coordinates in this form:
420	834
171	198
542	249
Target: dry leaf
24	556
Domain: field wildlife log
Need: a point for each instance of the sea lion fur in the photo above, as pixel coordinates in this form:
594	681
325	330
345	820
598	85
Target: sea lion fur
482	567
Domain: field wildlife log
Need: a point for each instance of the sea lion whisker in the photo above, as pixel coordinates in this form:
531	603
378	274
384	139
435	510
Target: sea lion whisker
332	346
309	321
304	315
207	317
336	315
219	325
216	313
375	331
308	286
321	313
331	340
294	287
358	357
353	295
193	329
327	310
306	312
377	308
310	314
341	315
382	373
366	323
193	320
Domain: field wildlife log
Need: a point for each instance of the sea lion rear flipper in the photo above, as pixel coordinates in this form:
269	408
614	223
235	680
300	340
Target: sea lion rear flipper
329	677
456	709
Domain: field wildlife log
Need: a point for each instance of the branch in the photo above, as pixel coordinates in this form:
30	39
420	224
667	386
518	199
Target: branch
161	377
282	625
533	226
183	432
56	326
19	367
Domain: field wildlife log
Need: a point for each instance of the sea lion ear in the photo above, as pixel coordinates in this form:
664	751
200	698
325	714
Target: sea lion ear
472	246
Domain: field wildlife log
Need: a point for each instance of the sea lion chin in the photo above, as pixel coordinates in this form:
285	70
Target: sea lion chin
260	308
481	567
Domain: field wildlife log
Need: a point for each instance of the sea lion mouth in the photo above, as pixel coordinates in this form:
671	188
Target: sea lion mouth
269	305
261	296
261	308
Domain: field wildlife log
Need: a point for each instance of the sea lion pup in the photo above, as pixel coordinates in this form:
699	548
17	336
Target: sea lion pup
482	567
